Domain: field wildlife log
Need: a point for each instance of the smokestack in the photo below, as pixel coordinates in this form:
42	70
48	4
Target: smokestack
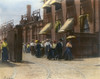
29	12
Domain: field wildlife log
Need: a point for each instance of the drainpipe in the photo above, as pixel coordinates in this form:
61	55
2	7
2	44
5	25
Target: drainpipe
99	24
94	14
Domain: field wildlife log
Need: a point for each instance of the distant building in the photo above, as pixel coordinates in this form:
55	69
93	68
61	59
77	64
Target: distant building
31	25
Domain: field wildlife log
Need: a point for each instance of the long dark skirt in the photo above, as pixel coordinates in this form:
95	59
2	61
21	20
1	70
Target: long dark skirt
28	50
50	54
4	54
42	51
59	53
32	50
38	53
68	54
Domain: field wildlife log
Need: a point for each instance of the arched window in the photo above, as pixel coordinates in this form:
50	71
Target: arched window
71	9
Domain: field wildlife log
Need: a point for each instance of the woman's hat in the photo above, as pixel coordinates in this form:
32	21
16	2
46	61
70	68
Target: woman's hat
36	41
71	37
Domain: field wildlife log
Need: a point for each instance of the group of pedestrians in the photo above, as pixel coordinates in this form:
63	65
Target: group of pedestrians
50	49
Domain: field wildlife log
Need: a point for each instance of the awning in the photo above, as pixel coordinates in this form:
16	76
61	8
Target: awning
67	26
84	15
55	2
47	4
46	29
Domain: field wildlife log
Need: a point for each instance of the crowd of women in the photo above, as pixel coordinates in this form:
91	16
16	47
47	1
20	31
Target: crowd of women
49	49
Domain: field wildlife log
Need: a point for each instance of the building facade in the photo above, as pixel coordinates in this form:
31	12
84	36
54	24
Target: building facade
74	17
62	18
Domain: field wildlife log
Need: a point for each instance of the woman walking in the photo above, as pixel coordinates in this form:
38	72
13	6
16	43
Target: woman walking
50	52
28	48
54	53
59	49
68	53
4	49
0	49
38	49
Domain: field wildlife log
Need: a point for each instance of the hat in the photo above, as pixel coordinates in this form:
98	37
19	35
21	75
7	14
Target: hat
36	41
71	37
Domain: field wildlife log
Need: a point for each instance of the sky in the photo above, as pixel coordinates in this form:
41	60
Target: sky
13	9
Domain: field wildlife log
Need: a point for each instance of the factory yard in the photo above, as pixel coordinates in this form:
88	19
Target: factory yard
42	68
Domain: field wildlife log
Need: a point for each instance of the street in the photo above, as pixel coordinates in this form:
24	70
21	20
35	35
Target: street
42	68
67	29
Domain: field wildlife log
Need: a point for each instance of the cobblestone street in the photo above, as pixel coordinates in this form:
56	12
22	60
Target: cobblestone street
41	68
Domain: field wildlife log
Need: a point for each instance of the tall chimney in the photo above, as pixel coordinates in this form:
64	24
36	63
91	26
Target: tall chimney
29	12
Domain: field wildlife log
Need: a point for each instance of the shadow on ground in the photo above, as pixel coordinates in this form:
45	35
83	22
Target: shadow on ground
7	64
27	62
98	65
81	59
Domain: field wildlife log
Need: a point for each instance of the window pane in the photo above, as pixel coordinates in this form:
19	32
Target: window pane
48	10
69	2
58	6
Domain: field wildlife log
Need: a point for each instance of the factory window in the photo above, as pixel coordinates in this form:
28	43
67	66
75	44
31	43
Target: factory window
48	10
48	36
69	2
83	0
71	10
58	6
84	16
84	23
86	6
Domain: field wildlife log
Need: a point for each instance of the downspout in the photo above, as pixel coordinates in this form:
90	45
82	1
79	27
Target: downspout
94	16
36	32
99	25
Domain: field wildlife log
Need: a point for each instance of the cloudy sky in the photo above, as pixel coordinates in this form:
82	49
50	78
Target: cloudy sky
13	9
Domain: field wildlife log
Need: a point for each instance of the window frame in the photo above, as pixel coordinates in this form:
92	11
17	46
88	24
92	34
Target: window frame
83	13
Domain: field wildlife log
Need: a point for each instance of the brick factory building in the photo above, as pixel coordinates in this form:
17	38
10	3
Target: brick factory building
31	25
73	17
62	18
